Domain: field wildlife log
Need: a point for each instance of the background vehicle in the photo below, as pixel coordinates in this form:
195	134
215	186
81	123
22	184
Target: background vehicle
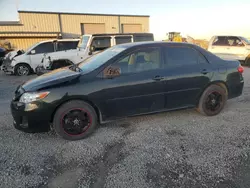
2	54
126	80
231	47
24	62
91	44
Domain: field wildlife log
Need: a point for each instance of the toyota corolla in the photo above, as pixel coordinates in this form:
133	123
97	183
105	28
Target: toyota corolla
126	80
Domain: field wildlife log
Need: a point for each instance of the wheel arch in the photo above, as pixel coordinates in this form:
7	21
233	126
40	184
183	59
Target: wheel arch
24	63
84	99
218	83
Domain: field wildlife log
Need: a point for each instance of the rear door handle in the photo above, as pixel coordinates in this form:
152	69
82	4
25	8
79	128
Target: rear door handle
204	71
158	78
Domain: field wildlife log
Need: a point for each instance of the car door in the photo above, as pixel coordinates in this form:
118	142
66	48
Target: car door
187	73
137	89
37	53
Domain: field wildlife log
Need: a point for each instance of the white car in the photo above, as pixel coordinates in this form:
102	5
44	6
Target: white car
24	62
89	45
231	47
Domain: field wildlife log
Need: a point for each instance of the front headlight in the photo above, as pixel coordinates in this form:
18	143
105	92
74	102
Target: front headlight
30	97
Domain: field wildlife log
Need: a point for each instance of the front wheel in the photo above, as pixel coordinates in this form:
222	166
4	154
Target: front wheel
75	120
212	100
22	70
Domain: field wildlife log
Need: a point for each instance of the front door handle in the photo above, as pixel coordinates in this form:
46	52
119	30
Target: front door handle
158	78
204	71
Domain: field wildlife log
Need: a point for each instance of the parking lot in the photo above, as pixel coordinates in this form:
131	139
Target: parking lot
173	149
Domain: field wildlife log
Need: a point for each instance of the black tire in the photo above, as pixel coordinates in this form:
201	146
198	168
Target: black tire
84	115
212	100
247	61
22	69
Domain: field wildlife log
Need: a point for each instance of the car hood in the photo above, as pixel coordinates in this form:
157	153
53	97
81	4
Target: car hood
11	55
56	77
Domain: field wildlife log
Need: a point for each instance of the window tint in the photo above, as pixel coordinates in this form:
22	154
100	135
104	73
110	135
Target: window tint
234	41
66	45
202	59
47	47
143	60
220	41
123	39
142	38
178	56
101	43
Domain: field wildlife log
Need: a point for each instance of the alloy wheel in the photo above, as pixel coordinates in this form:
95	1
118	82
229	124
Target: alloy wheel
76	122
23	70
214	101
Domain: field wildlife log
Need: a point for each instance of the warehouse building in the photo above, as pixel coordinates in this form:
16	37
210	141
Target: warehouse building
37	26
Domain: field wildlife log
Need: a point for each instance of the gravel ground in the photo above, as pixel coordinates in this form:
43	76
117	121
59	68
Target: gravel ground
174	149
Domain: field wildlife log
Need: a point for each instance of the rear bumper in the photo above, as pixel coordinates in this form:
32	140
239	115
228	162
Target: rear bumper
236	90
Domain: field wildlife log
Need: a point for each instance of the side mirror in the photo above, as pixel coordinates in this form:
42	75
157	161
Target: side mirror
91	50
33	51
111	72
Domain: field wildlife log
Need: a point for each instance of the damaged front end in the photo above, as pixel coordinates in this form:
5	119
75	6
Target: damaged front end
7	60
47	65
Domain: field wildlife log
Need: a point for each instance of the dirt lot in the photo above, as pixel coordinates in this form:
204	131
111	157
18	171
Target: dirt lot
174	149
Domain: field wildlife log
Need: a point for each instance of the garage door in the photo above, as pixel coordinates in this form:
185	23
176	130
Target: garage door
131	28
92	28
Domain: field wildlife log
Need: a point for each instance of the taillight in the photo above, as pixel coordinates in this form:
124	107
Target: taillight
240	69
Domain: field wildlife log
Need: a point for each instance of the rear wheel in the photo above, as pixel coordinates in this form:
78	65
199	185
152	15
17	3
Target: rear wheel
75	120
247	61
22	70
212	100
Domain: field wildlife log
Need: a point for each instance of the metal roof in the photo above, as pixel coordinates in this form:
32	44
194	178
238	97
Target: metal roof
73	13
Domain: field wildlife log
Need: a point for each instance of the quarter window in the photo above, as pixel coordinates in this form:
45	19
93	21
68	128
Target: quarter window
47	47
143	60
180	56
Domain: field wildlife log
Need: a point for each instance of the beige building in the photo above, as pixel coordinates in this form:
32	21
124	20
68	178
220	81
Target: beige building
37	26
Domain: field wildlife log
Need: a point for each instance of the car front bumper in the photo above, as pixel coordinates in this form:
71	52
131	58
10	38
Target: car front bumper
32	117
7	68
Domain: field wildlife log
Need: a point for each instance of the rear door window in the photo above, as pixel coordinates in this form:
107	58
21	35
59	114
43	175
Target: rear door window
220	41
123	39
101	43
180	56
47	47
66	45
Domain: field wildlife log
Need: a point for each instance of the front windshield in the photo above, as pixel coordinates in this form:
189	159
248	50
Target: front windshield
245	40
99	59
83	42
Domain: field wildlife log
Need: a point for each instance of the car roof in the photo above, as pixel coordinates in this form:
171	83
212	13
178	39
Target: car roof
111	34
54	40
148	43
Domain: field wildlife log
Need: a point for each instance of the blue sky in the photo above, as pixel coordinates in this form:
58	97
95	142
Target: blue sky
197	18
